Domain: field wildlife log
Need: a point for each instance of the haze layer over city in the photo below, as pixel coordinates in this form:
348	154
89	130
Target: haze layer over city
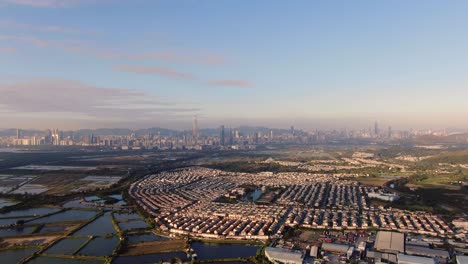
215	131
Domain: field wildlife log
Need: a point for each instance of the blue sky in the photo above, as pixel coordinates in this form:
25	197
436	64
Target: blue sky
312	64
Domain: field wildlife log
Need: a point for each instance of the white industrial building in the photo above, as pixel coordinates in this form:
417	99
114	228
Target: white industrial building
389	197
338	248
282	255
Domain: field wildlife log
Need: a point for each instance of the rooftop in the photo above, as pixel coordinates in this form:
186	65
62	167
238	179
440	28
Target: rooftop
390	241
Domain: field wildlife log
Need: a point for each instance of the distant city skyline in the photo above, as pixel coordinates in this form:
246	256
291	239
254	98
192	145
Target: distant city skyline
307	64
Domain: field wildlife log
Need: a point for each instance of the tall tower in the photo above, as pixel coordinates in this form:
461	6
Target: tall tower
389	132
222	137
195	127
18	134
54	137
376	129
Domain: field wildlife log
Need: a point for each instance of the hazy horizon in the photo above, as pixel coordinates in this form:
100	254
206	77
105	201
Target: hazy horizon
312	64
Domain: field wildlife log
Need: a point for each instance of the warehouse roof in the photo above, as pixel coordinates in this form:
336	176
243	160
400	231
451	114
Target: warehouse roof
462	259
390	241
283	255
332	247
428	252
405	259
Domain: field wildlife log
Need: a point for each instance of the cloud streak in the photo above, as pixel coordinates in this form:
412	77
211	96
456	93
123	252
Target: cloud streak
230	83
13	24
38	42
77	100
153	70
7	49
45	3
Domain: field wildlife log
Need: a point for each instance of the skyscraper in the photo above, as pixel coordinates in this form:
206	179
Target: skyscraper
18	134
376	129
222	140
195	127
56	137
231	136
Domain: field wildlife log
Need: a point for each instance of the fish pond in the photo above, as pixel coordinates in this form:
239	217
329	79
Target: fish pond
14	256
136	224
66	246
100	246
30	212
101	226
145	237
15	231
208	251
52	260
67	216
150	258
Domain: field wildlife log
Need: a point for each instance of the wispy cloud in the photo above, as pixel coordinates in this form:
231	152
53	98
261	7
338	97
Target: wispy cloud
83	101
154	70
7	49
172	56
230	83
44	3
38	42
179	57
17	25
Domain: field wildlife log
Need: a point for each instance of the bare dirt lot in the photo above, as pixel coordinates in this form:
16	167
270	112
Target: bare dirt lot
26	241
154	247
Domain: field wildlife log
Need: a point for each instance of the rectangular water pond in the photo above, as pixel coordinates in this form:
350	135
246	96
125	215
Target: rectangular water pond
30	212
14	256
146	237
150	258
52	229
124	216
70	215
136	224
4	232
208	251
66	246
11	221
100	246
51	260
101	226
